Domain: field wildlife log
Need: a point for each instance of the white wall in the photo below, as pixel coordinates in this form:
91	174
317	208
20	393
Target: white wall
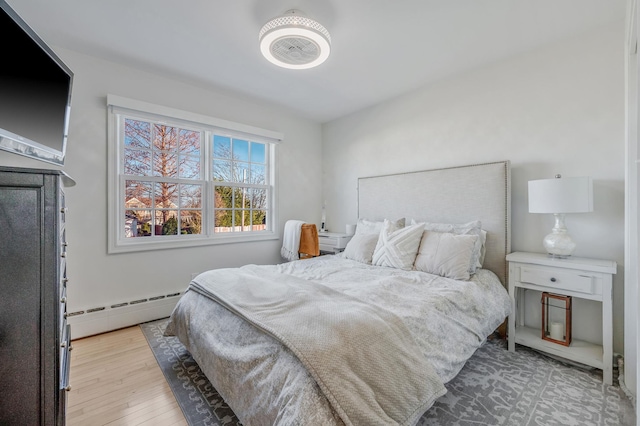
631	193
559	109
99	279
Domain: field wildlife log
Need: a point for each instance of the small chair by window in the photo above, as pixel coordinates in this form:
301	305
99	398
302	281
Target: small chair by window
309	245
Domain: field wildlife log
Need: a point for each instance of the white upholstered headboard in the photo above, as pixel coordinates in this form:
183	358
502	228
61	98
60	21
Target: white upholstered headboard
450	195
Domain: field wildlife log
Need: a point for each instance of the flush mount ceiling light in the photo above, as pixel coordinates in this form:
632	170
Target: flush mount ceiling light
295	41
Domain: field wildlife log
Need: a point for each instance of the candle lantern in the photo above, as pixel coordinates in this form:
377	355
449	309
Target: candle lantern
556	318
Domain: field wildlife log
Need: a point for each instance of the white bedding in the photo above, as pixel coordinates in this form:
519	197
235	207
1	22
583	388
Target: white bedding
265	384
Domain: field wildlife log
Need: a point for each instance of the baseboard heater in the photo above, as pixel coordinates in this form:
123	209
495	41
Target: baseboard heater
101	319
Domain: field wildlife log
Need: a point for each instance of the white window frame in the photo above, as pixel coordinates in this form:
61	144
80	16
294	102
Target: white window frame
118	108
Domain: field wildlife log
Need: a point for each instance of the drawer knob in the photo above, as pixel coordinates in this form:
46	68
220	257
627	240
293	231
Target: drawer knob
553	280
68	388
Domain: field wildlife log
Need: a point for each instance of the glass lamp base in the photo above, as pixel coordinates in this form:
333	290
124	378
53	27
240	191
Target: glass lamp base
558	243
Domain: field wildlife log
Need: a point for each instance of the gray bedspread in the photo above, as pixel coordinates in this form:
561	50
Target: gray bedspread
363	357
266	383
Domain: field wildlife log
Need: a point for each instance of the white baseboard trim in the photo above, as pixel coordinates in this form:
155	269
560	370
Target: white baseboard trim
104	319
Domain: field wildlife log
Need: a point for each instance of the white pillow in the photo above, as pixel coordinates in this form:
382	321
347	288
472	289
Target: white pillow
389	227
483	250
397	247
361	247
365	226
445	254
469	228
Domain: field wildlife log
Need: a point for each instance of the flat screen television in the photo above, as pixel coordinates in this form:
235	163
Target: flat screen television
35	92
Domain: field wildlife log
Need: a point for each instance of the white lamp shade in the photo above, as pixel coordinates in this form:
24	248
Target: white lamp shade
561	195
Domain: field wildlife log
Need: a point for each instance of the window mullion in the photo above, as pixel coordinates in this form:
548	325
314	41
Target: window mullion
208	212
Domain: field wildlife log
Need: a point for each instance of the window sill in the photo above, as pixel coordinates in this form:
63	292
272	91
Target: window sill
129	245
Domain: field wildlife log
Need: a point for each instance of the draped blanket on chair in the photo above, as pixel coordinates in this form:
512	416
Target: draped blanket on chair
291	240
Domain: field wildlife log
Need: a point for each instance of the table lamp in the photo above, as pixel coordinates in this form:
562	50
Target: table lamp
560	196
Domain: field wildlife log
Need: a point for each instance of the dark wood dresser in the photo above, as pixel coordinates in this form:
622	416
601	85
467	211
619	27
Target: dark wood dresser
34	335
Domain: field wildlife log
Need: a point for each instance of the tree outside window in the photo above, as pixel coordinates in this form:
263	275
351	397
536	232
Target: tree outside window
161	197
241	190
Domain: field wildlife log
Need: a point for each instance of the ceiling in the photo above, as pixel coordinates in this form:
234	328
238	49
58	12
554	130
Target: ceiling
380	48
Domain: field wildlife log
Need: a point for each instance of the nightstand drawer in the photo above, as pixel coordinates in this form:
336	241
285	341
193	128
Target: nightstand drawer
332	241
328	241
558	280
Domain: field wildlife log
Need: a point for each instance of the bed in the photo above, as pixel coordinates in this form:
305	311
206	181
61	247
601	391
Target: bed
369	336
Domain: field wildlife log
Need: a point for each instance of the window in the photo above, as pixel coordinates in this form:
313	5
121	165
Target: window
162	180
178	179
240	185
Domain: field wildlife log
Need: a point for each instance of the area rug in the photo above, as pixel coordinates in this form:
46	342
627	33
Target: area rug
495	387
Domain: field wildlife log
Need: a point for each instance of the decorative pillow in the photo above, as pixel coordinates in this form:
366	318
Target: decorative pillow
389	226
483	250
397	247
445	254
361	247
365	226
470	228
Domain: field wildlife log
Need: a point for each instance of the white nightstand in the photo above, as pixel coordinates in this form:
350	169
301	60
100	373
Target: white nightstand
333	242
577	277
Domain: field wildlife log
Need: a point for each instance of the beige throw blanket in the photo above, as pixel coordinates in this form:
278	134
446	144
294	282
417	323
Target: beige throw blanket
363	358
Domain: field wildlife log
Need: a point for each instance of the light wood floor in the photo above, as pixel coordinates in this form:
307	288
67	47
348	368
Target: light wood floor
115	380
